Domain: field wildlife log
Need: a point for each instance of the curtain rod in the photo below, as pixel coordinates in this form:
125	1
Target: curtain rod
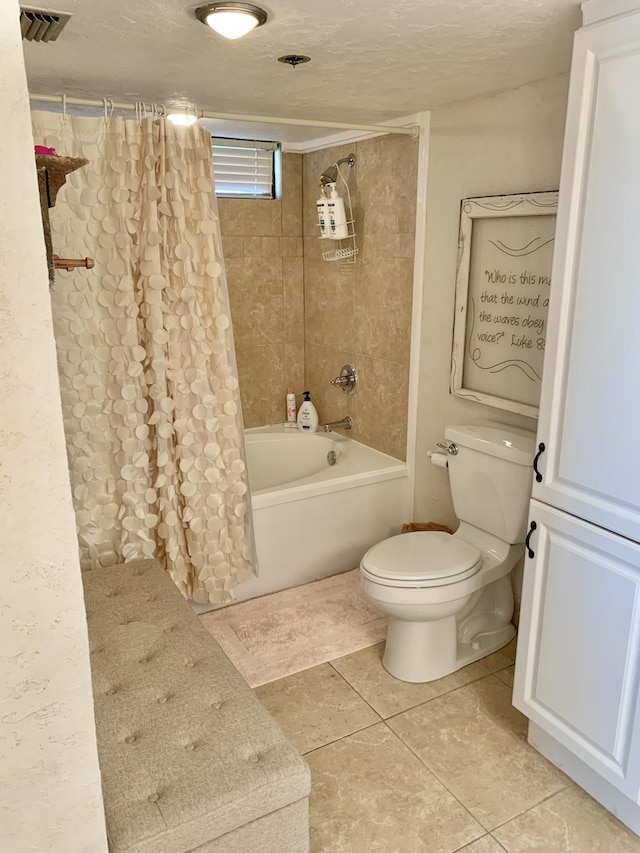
207	114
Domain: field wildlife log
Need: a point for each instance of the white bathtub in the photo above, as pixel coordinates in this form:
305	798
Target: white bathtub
313	519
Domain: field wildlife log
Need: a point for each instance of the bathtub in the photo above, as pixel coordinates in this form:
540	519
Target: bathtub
319	502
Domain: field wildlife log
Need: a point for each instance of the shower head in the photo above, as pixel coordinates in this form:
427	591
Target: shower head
330	175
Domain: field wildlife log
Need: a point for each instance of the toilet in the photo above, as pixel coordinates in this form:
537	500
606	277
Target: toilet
449	597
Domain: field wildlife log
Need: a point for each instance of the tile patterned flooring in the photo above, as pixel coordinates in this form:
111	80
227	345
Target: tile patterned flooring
431	768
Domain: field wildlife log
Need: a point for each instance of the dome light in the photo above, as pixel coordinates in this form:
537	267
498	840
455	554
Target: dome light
231	20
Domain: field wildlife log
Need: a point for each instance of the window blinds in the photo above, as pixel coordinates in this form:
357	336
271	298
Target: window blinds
244	169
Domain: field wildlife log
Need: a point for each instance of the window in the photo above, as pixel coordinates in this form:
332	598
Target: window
244	169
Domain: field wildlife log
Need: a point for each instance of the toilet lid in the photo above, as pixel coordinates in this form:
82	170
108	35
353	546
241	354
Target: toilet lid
421	559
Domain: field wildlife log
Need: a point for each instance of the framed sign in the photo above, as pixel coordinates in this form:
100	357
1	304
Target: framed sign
503	277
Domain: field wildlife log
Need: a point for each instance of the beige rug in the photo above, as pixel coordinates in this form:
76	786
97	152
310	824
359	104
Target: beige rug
286	632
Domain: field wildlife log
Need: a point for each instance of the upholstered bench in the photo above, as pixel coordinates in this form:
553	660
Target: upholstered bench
190	759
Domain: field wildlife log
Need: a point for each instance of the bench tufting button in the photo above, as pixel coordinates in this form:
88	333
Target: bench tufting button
254	758
130	739
190	747
111	691
216	706
153	798
162	700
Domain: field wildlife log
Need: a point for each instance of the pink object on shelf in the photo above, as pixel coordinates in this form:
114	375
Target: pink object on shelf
42	149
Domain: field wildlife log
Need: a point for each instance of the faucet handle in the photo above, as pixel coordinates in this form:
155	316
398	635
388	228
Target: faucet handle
348	379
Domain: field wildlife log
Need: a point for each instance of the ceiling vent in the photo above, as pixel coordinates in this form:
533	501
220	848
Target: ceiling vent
42	25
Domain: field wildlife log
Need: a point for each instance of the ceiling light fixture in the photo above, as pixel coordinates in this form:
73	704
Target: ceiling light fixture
183	119
232	20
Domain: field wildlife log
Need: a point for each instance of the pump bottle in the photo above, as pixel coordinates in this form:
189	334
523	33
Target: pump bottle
307	415
323	214
337	218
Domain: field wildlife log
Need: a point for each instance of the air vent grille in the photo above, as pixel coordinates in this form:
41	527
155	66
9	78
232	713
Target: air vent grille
42	25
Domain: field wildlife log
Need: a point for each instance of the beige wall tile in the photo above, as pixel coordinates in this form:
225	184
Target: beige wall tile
261	285
291	195
256	217
370	793
257	311
387	175
261	376
373	245
384	295
291	247
232	247
380	418
294	370
328	304
316	707
492	770
293	288
262	248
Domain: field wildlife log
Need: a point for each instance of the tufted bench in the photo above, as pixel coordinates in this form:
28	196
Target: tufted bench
190	759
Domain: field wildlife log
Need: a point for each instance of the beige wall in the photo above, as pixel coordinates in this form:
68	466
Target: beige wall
50	797
262	244
361	314
505	143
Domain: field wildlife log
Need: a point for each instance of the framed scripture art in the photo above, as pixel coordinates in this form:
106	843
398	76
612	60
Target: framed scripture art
503	277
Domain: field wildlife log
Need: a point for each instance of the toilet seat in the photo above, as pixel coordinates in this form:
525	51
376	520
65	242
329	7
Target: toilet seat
421	559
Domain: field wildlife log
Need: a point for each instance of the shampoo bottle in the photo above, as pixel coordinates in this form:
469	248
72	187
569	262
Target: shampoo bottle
307	415
291	406
323	214
337	218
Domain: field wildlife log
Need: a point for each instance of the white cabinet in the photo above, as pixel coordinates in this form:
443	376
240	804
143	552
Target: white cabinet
578	672
590	403
578	661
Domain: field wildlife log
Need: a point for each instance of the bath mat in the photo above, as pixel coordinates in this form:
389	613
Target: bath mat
286	632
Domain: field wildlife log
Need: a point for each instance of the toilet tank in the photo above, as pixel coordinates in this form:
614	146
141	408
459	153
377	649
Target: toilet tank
491	478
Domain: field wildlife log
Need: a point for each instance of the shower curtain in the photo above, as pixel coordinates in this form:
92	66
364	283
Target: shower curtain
145	354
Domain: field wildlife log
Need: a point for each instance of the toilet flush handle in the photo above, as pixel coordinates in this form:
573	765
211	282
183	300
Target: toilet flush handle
451	449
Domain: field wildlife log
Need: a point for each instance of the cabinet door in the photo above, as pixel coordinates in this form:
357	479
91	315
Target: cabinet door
590	400
578	660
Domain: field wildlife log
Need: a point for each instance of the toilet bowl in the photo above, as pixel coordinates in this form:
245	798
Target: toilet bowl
449	597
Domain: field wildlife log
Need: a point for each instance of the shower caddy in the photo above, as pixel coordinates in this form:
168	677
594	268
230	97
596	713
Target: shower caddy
345	249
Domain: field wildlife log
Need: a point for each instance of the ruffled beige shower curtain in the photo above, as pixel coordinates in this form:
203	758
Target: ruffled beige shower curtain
145	353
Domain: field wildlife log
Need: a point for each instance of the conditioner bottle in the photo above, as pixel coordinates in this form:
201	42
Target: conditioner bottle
337	217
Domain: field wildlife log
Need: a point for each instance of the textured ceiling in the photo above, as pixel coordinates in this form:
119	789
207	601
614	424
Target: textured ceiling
371	60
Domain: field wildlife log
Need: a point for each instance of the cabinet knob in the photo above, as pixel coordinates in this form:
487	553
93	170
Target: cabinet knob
541	450
532	529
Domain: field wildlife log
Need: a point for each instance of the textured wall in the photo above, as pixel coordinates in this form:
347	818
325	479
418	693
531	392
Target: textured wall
262	244
50	796
362	313
506	143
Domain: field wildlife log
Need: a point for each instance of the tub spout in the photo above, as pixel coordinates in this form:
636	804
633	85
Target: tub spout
345	423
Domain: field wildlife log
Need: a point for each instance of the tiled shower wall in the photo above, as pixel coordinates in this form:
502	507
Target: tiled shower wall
262	245
361	314
297	318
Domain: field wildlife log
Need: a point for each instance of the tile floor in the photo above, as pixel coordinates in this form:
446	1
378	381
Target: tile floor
434	768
